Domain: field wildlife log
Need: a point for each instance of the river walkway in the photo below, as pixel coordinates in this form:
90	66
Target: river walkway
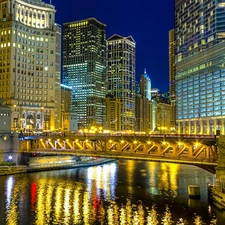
10	170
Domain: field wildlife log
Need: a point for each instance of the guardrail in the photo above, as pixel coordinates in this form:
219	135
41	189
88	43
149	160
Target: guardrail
74	135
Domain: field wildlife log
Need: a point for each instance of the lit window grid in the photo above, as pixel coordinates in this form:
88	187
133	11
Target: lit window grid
198	26
201	96
24	64
84	69
121	76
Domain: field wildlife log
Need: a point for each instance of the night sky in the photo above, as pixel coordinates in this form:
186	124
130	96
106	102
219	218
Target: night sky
148	21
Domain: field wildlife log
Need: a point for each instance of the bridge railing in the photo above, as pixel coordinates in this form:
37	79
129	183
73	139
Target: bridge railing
79	134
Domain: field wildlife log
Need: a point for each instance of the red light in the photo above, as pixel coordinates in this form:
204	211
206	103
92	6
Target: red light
33	195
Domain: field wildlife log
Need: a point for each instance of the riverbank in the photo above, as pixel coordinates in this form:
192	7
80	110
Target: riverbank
11	170
216	196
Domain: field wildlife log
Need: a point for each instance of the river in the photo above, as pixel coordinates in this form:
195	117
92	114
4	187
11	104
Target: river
122	192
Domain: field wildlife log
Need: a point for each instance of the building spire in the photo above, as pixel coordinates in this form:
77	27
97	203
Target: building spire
145	71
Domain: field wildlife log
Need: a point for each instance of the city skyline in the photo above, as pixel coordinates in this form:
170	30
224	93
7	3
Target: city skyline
128	19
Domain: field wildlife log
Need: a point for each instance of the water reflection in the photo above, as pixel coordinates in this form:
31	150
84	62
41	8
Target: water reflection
102	194
9	189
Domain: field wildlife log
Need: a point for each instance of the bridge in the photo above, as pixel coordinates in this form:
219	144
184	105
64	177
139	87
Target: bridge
200	150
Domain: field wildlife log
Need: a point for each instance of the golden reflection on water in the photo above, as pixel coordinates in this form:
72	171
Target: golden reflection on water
197	220
41	194
57	205
153	180
66	217
169	179
167	217
129	211
14	193
122	216
76	209
85	208
55	201
141	215
152	216
130	167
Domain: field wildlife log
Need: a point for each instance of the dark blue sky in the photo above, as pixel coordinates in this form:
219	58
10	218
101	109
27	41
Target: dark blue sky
148	21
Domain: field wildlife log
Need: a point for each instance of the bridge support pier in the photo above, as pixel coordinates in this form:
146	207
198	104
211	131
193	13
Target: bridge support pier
10	147
220	169
217	192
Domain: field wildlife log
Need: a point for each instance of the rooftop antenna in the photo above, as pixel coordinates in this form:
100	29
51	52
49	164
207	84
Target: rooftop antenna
50	2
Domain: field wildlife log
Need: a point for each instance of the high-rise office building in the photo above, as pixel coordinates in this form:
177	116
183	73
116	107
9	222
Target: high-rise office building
143	110
198	26
161	116
30	64
84	45
146	86
172	77
69	118
143	113
113	113
121	76
200	67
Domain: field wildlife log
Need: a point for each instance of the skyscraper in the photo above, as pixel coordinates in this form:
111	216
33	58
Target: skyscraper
121	76
30	64
172	77
84	45
200	67
145	86
113	113
143	111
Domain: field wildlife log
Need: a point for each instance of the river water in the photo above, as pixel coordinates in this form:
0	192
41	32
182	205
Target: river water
121	192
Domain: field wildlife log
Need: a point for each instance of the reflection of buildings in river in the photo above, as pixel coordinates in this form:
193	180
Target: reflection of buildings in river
153	177
152	216
44	200
67	206
58	206
130	167
163	177
77	215
112	214
167	217
122	215
105	180
15	193
9	190
70	202
141	215
168	181
128	211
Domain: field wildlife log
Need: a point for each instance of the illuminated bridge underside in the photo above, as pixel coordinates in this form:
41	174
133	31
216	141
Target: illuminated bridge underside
189	150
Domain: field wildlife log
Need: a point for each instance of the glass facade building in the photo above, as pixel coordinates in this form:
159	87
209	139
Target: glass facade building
199	24
121	76
172	77
84	46
146	86
200	67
